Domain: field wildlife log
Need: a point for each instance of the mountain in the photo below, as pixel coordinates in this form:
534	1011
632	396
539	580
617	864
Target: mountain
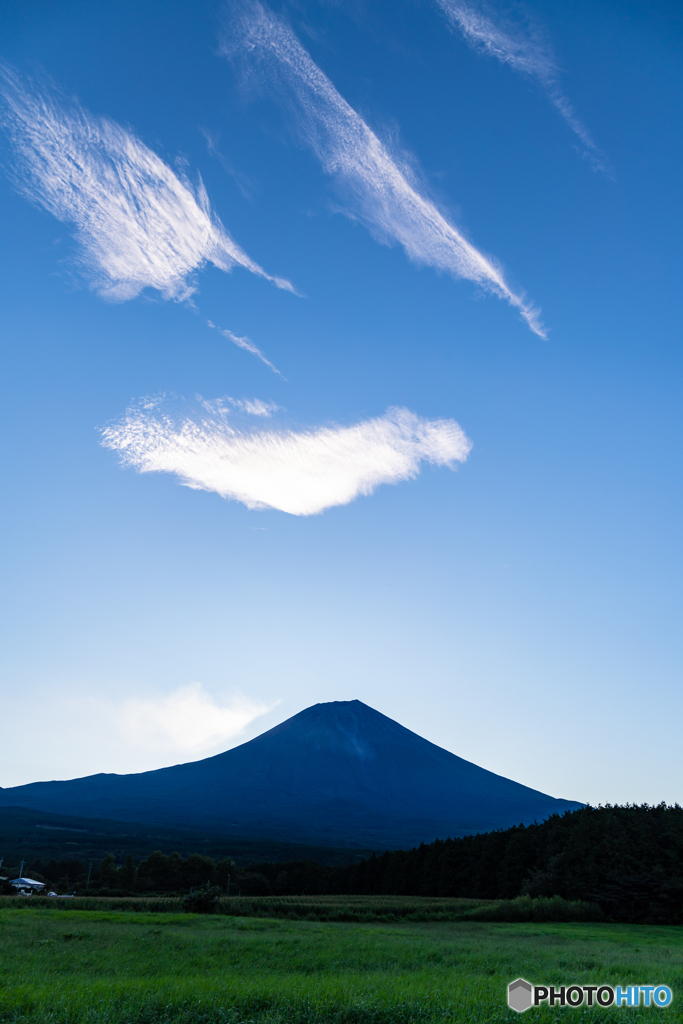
336	774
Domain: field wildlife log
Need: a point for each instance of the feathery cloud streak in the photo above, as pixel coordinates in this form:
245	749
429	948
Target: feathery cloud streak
246	343
139	224
520	47
378	191
302	473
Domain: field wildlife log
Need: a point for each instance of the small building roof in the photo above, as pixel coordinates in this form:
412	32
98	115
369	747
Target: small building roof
27	881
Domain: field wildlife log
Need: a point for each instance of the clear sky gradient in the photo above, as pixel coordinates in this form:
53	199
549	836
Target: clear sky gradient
342	359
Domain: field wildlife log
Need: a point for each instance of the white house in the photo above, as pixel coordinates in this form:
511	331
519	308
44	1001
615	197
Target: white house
27	885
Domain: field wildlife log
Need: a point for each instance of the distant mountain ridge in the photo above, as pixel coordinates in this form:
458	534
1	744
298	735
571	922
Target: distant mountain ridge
33	835
336	774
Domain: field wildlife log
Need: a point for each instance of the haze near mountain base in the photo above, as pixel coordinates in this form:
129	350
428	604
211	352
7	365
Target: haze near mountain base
338	774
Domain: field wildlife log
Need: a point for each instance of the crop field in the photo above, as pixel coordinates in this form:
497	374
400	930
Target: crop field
116	967
366	909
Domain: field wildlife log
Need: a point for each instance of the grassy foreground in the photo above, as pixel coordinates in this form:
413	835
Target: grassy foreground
114	967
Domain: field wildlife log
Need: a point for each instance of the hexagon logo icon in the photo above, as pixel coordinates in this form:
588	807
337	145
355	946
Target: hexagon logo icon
519	995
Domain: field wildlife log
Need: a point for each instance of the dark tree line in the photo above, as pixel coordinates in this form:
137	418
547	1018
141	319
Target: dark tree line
66	874
158	873
629	860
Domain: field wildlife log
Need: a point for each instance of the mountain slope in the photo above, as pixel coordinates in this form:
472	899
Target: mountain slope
336	774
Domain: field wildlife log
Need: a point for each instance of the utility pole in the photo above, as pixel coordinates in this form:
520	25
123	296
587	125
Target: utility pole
228	885
88	882
21	870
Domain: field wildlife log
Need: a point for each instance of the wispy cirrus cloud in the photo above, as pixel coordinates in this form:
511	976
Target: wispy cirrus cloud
378	187
139	224
518	44
246	343
226	406
299	472
188	719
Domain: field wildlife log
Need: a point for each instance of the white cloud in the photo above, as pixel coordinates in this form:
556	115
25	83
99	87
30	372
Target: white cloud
222	406
245	343
302	473
378	192
255	406
188	719
82	732
519	46
139	224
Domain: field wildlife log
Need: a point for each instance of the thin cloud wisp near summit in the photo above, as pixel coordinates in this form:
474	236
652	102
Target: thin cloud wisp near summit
377	190
139	224
299	472
518	46
188	719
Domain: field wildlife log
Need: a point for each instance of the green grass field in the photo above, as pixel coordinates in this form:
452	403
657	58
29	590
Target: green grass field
139	968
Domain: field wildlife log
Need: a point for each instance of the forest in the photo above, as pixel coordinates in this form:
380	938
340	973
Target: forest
626	859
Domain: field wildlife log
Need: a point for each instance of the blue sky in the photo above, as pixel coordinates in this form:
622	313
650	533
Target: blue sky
433	437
